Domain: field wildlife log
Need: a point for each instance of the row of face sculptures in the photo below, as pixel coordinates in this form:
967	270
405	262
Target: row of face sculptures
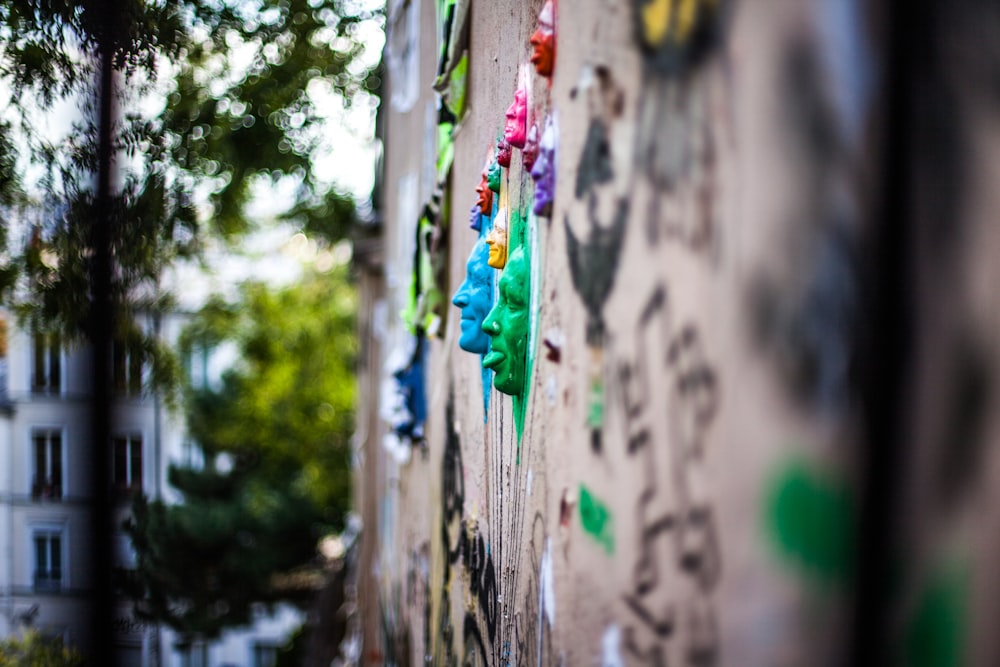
499	331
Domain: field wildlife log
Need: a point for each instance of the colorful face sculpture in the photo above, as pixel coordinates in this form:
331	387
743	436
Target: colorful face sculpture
493	176
507	325
497	241
544	170
504	153
485	201
530	152
475	217
475	298
543	41
515	128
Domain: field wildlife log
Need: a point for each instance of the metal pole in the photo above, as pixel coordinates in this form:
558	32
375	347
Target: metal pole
100	330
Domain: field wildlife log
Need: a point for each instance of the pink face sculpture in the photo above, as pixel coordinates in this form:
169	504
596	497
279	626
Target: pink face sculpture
504	152
515	129
530	152
543	42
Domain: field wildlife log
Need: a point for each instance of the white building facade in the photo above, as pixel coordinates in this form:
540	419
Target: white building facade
45	488
46	497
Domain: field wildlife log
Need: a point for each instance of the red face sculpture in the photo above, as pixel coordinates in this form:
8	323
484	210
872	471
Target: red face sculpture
485	201
543	40
515	128
504	152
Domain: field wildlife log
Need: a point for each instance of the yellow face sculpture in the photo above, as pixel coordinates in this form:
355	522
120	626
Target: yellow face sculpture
497	241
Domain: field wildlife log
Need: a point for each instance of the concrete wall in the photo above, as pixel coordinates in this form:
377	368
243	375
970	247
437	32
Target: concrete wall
687	488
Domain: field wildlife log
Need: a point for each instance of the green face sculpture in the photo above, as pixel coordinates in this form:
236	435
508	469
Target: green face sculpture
507	325
493	176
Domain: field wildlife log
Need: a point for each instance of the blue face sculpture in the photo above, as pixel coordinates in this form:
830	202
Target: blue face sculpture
475	298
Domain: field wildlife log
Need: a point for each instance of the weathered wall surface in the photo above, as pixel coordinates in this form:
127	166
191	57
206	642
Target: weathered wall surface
678	482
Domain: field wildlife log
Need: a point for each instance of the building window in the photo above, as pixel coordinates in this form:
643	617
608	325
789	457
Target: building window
126	369
46	371
265	655
193	655
48	559
128	464
192	455
124	553
197	366
48	472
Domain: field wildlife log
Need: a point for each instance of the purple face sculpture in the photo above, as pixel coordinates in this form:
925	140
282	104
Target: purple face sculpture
516	127
544	170
504	153
530	152
475	218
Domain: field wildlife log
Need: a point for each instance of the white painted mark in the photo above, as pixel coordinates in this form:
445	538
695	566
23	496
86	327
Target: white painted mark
551	389
548	585
610	644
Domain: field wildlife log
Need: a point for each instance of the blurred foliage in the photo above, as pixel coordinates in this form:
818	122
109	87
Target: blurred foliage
34	649
233	86
281	418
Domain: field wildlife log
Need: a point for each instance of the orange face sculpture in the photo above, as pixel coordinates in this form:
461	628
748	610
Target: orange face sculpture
543	41
485	201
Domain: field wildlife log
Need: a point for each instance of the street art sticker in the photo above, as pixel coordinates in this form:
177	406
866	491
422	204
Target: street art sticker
593	261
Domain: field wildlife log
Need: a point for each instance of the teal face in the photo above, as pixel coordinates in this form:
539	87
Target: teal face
493	176
475	298
507	325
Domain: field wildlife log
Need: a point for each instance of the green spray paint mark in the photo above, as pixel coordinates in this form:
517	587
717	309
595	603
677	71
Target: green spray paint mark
595	412
457	86
935	637
811	519
597	520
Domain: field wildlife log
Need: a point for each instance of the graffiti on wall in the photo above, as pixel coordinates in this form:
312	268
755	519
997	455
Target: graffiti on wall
677	555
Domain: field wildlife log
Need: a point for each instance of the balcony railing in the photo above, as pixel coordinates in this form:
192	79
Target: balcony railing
48	580
46	490
124	491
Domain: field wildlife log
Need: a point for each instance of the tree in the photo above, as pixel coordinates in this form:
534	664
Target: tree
34	649
283	416
240	84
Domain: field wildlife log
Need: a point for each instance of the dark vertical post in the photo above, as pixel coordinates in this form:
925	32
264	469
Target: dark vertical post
100	329
886	338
